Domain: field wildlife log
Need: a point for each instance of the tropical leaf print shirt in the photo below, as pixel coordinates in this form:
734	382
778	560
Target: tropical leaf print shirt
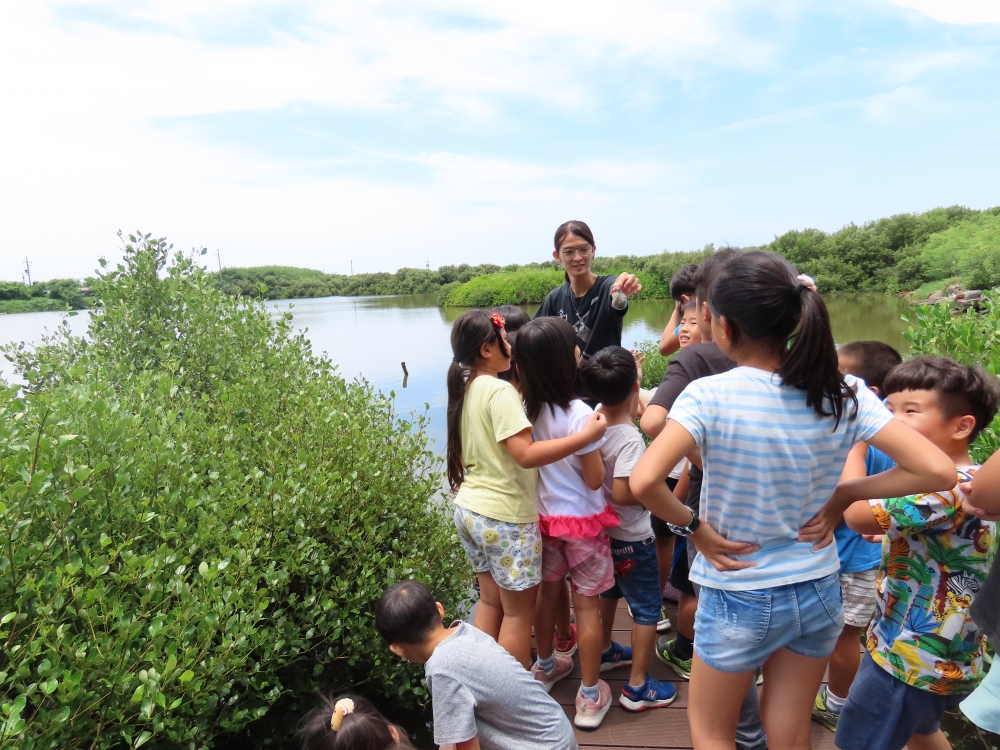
935	557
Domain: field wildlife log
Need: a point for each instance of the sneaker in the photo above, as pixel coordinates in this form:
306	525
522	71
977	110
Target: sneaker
665	653
565	646
590	714
822	712
564	665
664	624
616	656
652	694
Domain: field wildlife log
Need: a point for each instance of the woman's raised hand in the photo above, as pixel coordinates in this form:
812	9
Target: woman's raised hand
718	550
628	284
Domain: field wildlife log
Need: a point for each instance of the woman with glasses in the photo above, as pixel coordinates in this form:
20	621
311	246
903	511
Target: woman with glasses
592	304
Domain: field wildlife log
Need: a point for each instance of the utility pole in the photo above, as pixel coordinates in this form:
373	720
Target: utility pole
352	268
219	258
428	264
27	268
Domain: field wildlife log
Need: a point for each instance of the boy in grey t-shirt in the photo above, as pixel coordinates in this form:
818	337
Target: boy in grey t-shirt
612	377
482	697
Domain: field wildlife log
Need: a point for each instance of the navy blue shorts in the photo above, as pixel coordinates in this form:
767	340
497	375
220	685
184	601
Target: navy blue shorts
882	713
637	578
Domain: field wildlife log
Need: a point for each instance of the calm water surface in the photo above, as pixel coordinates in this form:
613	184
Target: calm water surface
370	337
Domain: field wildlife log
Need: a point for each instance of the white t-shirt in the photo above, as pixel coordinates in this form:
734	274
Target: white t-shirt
561	489
770	463
622	449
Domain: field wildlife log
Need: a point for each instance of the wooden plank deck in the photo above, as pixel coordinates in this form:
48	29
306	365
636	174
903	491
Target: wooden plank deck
661	728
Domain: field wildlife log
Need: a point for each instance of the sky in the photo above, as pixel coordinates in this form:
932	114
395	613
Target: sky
375	135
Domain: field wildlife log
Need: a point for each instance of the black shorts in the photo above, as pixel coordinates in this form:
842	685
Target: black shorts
660	528
681	568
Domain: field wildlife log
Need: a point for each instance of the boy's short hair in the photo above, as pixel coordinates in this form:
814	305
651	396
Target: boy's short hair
689	306
406	613
709	269
514	317
610	375
960	390
682	282
873	360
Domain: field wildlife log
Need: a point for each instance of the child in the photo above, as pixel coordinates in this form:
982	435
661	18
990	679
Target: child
611	377
682	291
572	511
481	696
859	560
773	434
514	317
350	723
687	331
925	653
491	461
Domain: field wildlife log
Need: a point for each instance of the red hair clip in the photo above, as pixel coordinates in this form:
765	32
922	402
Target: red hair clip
498	320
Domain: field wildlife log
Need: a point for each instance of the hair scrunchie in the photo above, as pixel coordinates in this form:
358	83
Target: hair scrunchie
340	709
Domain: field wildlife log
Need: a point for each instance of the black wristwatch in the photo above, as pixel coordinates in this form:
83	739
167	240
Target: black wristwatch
691	527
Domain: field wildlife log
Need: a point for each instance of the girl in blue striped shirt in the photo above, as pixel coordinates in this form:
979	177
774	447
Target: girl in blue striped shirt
772	435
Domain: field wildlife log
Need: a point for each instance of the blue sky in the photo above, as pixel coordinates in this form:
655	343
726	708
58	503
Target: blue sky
401	133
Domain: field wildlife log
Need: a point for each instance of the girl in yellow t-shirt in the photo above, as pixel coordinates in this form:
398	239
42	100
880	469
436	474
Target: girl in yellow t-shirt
491	468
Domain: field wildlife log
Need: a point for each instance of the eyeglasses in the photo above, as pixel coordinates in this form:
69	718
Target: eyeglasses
582	251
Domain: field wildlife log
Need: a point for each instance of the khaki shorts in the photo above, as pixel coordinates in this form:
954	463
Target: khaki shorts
857	590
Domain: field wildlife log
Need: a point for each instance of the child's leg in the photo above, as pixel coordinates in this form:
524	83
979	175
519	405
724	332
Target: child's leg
664	558
687	605
791	682
845	661
936	741
589	635
515	630
562	612
489	610
643	646
545	617
714	701
608	607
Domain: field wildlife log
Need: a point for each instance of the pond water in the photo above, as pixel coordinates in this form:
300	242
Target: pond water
372	336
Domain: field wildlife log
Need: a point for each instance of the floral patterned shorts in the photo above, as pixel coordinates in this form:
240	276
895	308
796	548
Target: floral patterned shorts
511	552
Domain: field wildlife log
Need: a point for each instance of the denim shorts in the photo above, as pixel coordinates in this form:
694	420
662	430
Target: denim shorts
637	578
882	712
736	631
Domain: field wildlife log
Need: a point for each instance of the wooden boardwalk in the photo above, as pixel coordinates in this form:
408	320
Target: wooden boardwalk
658	728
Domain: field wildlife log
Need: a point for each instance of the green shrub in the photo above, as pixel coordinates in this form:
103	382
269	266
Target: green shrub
655	365
198	514
529	286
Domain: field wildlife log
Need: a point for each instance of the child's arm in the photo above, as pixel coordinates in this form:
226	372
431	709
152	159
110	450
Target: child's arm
621	493
648	483
921	467
683	484
669	343
472	744
859	516
593	469
530	454
983	492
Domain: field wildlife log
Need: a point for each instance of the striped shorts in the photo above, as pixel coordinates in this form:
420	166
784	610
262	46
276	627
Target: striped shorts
857	590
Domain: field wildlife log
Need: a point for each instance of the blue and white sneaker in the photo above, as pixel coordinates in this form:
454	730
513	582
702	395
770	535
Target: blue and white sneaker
616	656
652	694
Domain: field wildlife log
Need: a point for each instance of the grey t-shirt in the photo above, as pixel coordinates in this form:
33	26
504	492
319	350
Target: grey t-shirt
622	449
480	690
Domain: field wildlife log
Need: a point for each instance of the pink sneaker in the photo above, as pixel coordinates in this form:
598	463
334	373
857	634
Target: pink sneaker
590	714
564	665
565	646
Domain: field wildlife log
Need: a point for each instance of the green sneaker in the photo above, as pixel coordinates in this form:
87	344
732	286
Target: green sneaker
665	653
822	712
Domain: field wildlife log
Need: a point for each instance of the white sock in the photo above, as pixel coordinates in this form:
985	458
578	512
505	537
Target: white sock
834	702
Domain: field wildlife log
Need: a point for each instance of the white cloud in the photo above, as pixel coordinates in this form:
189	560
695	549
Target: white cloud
955	11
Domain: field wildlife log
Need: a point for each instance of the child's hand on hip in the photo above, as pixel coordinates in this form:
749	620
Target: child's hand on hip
718	550
968	507
819	529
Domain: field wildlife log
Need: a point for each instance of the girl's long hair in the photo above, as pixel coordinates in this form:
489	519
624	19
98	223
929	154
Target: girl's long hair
761	299
362	729
545	352
471	332
578	229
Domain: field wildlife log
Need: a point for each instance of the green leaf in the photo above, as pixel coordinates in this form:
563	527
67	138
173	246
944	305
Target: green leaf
186	676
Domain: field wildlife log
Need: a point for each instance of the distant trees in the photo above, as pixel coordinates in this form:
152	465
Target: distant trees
55	294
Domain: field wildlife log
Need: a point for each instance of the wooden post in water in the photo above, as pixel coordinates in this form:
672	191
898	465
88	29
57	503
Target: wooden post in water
406	373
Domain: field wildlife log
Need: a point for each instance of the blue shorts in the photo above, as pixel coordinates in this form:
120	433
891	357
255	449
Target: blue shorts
882	713
637	578
736	631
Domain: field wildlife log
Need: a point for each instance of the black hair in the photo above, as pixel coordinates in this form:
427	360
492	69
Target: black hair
762	301
682	282
546	364
406	613
689	306
709	268
510	375
610	375
576	228
960	390
362	729
872	361
473	330
514	317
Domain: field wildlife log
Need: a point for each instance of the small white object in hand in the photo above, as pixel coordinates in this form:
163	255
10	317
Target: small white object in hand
618	299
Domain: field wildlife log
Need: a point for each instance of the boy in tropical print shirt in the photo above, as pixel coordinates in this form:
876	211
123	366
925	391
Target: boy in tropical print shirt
925	653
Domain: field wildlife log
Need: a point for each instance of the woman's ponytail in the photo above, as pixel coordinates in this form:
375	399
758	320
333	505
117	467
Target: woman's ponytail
471	332
760	297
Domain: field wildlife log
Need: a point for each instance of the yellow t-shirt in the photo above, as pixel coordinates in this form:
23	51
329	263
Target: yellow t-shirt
495	486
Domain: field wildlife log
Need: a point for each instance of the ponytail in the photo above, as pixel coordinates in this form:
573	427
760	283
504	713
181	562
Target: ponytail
473	330
758	295
362	728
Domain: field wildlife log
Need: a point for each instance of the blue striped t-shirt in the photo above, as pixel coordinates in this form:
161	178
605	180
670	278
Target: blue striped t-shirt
770	464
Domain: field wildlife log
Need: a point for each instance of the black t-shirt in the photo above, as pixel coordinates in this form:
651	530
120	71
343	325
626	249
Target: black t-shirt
691	363
596	322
